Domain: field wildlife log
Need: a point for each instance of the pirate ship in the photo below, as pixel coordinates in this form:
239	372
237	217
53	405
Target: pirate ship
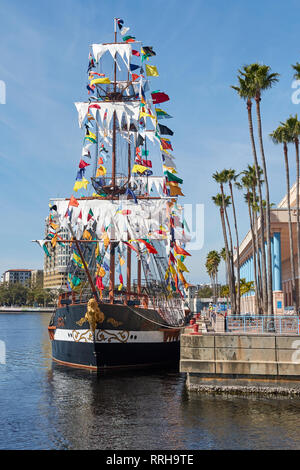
124	304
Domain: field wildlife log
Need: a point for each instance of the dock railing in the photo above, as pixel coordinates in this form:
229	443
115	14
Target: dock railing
261	324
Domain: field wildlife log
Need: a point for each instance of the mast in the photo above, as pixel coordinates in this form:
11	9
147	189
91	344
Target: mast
128	283
113	157
113	179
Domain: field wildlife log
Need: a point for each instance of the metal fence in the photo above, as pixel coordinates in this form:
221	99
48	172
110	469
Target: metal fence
280	324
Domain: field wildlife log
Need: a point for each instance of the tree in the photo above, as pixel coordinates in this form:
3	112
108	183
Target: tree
230	177
297	71
292	126
246	184
222	178
247	92
282	136
246	286
261	78
212	265
223	256
205	292
222	201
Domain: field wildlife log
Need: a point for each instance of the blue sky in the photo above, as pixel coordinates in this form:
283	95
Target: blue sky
199	44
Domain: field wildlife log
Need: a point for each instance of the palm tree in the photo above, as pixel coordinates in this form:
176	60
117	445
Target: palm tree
247	92
262	79
212	266
292	126
297	71
222	201
223	256
246	286
246	183
282	136
230	177
222	178
250	173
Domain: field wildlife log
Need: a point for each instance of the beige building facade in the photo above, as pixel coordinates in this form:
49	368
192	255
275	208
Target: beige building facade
281	264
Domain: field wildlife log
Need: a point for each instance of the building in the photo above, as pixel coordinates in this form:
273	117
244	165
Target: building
280	248
56	267
37	277
14	276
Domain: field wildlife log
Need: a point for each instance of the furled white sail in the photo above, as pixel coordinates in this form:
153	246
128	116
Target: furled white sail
141	220
124	50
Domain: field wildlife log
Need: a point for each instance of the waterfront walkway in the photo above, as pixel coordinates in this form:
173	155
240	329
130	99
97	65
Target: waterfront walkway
207	322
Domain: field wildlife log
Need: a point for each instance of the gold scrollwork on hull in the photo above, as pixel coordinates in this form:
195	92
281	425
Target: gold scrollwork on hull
114	322
106	336
85	336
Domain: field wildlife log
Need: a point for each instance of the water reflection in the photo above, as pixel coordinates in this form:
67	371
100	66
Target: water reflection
48	406
127	411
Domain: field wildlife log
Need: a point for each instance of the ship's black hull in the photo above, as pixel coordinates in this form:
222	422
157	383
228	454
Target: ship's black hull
127	338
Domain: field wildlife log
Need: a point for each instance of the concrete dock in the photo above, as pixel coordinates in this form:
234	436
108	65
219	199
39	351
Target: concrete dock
240	362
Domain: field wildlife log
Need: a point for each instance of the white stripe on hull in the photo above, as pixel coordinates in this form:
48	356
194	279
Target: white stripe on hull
113	336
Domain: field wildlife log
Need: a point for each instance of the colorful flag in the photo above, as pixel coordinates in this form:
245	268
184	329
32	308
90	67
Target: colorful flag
99	283
134	67
164	130
99	81
83	164
151	71
124	30
86	235
159	97
77	260
73	202
101	171
172	177
162	114
147	163
91	89
129	192
150	248
90	215
74	281
91	62
147	51
165	144
129	39
181	266
95	105
120	22
80	174
180	251
136	53
91	137
167	160
138	169
174	190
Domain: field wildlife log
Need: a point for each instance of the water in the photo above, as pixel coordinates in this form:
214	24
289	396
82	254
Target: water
47	406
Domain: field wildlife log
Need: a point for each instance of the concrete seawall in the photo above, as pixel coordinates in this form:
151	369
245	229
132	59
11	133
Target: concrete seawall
236	361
